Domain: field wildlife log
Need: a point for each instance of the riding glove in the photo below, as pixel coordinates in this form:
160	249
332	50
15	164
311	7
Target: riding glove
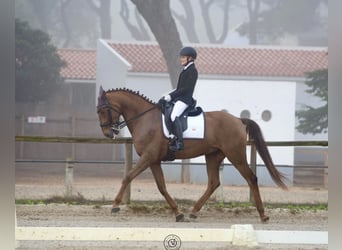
167	98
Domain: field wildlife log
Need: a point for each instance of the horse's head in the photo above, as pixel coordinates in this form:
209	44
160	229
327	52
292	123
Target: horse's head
108	115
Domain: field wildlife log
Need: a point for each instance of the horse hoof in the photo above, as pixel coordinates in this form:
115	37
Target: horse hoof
180	218
265	219
115	210
193	216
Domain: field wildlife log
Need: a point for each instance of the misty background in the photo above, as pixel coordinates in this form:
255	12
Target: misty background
79	23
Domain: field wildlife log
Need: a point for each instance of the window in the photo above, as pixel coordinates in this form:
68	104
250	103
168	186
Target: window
245	114
266	115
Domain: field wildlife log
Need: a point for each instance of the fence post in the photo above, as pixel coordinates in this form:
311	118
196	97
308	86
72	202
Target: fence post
185	171
73	129
69	176
17	243
128	166
252	165
325	171
22	130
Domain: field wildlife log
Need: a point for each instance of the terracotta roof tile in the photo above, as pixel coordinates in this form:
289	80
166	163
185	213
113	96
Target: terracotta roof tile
222	60
81	64
212	60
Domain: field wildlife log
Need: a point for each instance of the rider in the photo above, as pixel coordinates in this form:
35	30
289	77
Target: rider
182	95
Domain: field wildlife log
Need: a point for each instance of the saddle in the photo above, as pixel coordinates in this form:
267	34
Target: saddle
166	109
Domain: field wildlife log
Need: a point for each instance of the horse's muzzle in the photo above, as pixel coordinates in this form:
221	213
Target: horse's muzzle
111	131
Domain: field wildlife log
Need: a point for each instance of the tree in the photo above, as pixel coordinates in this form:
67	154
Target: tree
315	120
158	16
70	23
253	7
65	22
138	32
187	21
205	6
277	18
37	64
103	12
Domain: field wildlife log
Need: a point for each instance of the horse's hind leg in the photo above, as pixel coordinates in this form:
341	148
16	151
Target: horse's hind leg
160	181
213	161
242	166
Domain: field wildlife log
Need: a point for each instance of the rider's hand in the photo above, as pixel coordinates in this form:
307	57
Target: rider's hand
167	98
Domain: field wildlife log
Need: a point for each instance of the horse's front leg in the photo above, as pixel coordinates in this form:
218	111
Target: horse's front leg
160	181
141	165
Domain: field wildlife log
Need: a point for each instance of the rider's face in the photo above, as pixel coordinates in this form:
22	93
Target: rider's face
183	60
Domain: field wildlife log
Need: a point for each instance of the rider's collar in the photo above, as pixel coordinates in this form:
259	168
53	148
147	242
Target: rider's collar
187	66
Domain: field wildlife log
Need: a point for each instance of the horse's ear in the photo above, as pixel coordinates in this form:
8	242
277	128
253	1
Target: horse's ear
102	93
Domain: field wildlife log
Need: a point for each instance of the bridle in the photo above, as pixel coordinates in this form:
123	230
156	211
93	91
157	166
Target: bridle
116	126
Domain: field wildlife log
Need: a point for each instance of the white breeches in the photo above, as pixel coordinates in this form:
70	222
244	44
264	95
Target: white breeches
178	109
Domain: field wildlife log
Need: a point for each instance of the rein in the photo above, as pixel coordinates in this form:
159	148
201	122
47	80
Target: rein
120	125
124	123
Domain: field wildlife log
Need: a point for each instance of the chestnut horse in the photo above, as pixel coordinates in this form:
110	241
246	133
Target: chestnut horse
225	136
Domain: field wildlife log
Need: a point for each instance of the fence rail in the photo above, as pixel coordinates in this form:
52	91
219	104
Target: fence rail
129	153
120	140
64	139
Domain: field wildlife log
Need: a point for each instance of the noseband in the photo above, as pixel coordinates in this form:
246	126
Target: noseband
115	126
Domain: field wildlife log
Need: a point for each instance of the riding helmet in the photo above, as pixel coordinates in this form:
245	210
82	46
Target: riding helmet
188	51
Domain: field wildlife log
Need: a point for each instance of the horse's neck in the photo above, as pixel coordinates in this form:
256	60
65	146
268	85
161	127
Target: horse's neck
133	108
130	105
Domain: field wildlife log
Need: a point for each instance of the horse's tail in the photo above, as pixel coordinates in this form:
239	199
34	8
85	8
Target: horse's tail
254	133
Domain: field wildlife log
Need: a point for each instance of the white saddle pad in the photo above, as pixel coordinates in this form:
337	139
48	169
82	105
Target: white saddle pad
195	128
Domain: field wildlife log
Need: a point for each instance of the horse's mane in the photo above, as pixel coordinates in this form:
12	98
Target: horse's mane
132	92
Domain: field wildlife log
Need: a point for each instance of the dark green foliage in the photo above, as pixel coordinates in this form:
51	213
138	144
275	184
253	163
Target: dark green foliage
315	120
37	64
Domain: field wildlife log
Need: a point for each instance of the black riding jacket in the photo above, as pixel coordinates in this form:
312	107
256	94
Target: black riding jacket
186	84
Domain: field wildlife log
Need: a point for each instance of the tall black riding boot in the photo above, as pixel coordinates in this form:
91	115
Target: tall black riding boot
178	131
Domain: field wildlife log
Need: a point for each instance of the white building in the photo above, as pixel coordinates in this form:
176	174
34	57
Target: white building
263	83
